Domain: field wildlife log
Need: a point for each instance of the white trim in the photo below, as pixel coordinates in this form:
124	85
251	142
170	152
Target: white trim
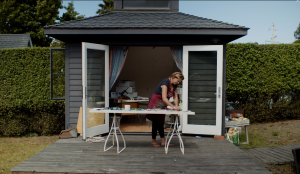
101	128
203	129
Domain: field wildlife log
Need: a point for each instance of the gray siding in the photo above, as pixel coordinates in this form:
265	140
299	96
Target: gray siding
73	82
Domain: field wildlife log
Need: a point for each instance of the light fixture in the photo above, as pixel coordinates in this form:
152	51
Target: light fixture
215	40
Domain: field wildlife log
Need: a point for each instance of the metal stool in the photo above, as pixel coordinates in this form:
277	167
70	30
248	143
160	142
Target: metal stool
113	130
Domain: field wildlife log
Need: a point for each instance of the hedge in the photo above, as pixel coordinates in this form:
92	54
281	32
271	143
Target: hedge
25	105
264	80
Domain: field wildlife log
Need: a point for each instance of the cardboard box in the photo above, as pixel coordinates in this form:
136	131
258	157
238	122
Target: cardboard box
134	94
127	83
79	122
93	119
128	89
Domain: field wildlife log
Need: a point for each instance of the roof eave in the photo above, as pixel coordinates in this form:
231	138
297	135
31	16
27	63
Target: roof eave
146	31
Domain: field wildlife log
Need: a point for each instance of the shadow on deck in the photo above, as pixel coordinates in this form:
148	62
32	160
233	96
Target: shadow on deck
204	155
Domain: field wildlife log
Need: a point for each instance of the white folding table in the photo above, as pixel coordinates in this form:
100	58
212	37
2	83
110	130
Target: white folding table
115	126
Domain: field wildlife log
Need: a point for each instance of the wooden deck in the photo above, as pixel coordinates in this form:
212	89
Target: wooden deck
203	155
275	155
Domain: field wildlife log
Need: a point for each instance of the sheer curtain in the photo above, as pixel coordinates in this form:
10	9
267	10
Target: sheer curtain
117	57
177	56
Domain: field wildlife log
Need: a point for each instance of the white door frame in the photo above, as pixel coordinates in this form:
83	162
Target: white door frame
101	129
203	129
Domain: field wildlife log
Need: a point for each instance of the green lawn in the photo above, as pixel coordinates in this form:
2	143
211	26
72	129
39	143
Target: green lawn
13	150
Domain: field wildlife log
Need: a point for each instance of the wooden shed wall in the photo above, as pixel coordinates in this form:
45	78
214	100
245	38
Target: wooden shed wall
73	82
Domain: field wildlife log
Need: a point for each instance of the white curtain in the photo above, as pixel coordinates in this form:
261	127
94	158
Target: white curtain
117	57
177	56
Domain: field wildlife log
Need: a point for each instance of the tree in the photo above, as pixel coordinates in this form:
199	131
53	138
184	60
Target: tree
71	14
297	41
107	7
57	44
29	16
297	34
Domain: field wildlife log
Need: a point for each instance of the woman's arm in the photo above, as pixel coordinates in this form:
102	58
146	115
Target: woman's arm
164	95
175	97
165	99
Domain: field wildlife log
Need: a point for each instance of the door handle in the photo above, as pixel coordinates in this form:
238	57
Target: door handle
219	92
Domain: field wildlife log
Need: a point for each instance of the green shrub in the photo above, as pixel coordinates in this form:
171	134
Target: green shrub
25	105
264	80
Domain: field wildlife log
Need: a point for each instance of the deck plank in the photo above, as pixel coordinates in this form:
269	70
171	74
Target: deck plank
205	155
276	154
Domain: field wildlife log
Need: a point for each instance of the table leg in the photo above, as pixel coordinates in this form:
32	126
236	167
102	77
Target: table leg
113	131
166	147
122	138
175	131
246	132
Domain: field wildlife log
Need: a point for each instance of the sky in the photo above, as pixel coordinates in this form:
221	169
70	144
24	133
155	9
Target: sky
256	15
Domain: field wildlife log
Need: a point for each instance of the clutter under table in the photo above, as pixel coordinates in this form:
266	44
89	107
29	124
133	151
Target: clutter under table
240	123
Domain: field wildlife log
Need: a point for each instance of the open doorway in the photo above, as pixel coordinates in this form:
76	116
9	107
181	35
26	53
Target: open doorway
147	67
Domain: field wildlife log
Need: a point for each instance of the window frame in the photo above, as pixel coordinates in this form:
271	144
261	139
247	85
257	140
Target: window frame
173	7
146	8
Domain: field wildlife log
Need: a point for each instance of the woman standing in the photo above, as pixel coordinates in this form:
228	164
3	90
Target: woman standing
160	99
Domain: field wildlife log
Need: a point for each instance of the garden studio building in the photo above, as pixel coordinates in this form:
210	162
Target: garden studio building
145	42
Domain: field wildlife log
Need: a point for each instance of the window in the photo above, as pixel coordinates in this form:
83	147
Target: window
57	71
202	87
146	4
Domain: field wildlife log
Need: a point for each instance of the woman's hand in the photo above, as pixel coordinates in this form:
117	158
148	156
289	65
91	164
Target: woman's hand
177	108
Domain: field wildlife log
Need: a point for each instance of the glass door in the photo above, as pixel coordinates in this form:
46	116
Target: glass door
95	83
202	89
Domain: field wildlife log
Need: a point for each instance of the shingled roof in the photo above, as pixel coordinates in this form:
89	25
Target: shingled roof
15	41
146	20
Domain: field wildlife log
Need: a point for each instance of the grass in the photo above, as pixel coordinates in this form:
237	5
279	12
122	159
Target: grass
15	150
274	134
285	168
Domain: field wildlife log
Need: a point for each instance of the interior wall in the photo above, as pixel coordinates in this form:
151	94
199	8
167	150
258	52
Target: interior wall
147	66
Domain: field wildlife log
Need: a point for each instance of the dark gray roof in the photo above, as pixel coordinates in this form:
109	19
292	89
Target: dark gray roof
153	20
15	41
